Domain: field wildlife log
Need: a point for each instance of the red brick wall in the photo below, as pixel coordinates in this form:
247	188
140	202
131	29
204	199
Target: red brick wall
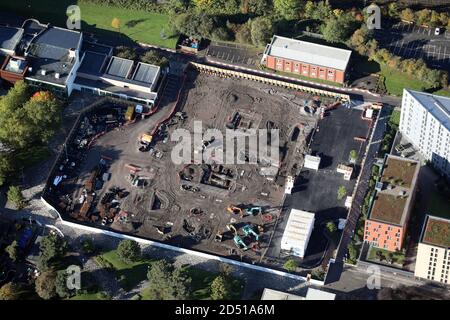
386	236
304	69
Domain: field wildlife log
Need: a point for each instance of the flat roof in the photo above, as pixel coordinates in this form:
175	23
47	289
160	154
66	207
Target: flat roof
146	73
436	232
10	37
392	203
438	106
92	63
270	294
298	226
97	48
315	294
119	67
308	52
59	37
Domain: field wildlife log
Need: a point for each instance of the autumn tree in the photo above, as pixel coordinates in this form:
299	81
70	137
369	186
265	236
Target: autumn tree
10	291
45	285
13	251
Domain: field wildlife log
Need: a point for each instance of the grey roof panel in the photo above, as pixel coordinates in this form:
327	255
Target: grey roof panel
119	67
58	37
438	106
146	73
92	63
9	37
309	52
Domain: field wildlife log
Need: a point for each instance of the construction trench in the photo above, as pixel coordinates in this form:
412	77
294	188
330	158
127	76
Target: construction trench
125	180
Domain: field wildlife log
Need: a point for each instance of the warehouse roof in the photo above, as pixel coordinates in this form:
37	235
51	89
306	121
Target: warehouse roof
298	226
308	52
438	106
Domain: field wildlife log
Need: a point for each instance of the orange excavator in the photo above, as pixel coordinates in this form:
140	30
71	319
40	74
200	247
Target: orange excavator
235	210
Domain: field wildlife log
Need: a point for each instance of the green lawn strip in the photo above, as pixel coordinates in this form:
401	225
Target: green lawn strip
129	275
398	257
396	81
442	92
137	25
88	296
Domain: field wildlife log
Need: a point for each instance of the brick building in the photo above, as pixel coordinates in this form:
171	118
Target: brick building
391	206
306	59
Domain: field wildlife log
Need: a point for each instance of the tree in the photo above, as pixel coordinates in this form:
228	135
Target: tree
339	29
221	288
61	284
52	248
257	7
15	196
13	251
45	285
10	291
244	33
155	58
331	227
261	31
353	156
125	53
341	192
87	246
290	265
115	23
352	252
167	282
6	166
407	15
393	10
129	251
288	9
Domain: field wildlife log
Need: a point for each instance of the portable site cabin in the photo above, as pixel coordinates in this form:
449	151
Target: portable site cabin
312	162
297	232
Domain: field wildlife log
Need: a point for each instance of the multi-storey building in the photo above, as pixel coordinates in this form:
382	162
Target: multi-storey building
306	59
433	253
391	206
425	122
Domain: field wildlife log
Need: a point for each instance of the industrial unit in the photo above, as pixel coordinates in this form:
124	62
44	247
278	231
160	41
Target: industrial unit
297	232
306	59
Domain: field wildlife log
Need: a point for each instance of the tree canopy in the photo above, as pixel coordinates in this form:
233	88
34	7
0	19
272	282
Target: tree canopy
45	285
129	251
168	282
52	248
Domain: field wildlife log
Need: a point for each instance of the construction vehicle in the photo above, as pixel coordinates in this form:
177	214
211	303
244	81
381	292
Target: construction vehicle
234	122
145	140
235	210
237	239
253	211
248	230
130	113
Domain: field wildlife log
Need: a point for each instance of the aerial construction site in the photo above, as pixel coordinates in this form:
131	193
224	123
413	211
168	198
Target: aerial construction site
124	179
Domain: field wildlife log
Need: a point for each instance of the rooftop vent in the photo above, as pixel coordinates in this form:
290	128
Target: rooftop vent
57	75
72	53
43	72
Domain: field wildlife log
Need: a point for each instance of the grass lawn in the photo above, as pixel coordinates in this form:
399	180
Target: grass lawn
129	275
396	81
201	281
88	296
443	92
398	257
137	25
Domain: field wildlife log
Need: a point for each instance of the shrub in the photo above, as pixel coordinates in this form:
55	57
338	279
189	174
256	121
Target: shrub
290	265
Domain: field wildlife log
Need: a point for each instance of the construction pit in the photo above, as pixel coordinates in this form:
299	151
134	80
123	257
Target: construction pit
128	182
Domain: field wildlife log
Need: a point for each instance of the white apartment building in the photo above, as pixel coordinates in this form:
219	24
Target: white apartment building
425	122
433	253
